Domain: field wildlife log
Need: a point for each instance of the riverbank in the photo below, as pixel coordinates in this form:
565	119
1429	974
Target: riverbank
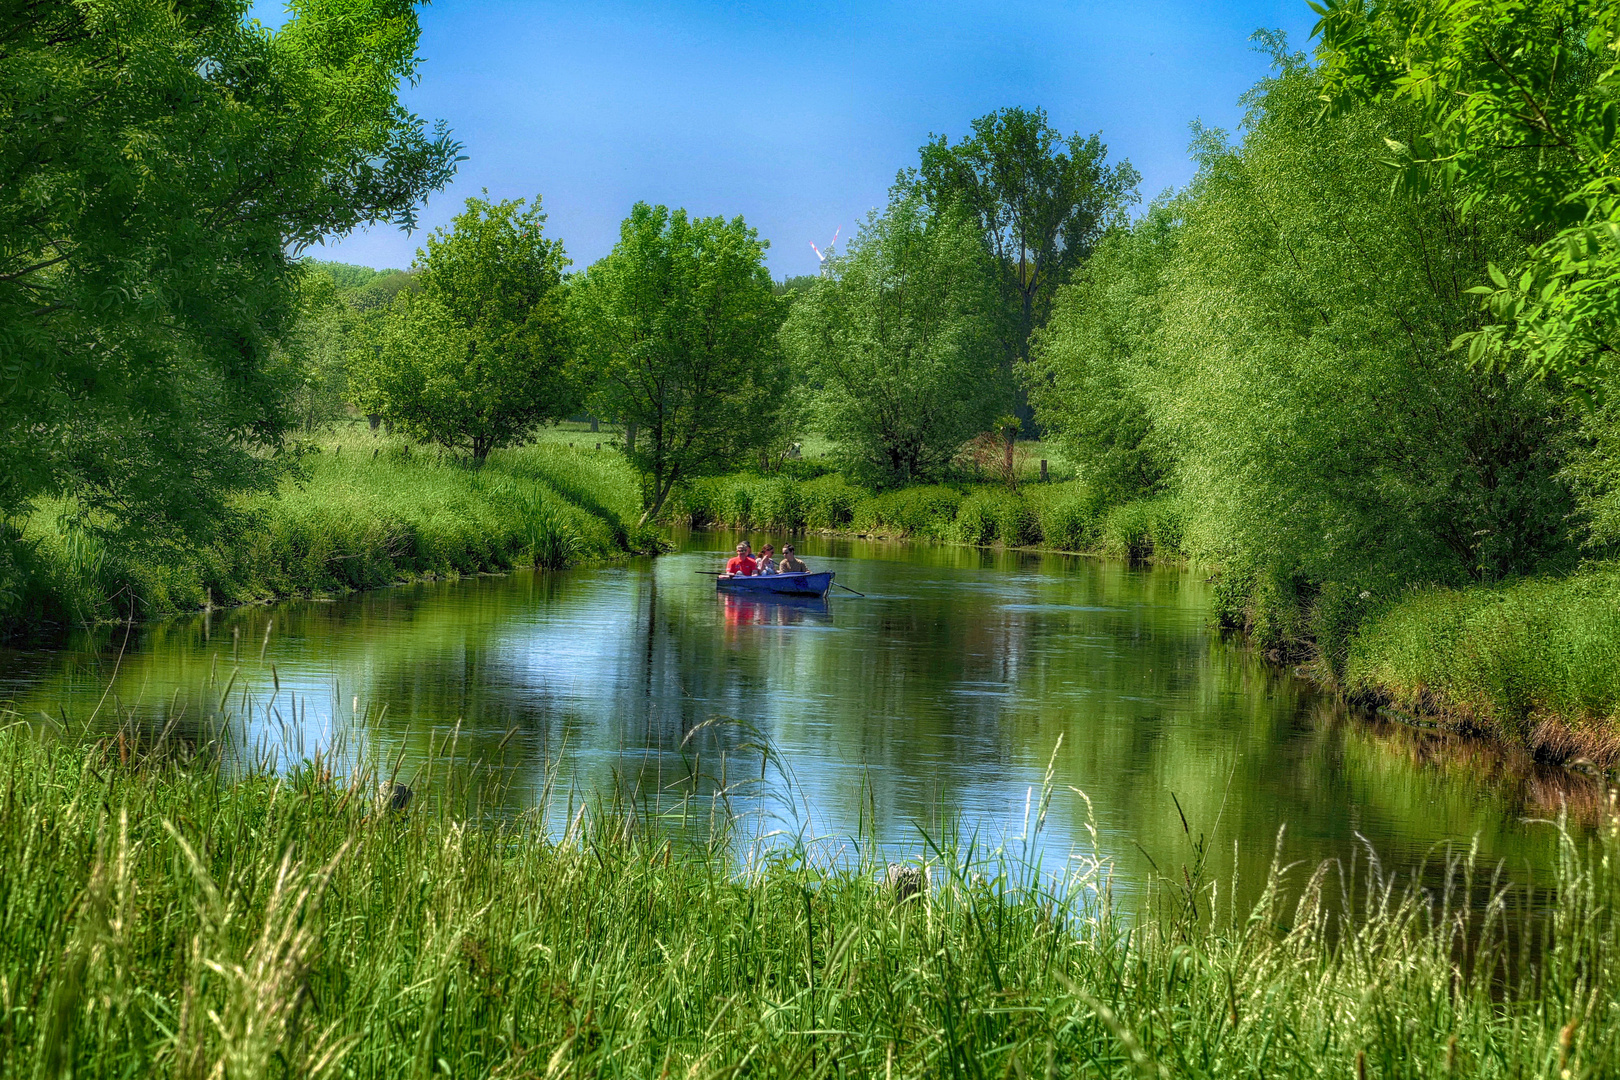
369	510
333	936
1061	516
1535	662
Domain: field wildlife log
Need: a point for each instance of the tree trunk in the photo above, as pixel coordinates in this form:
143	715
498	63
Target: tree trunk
660	493
630	437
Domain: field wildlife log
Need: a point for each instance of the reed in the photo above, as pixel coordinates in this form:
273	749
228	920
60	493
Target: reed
177	907
1064	516
368	511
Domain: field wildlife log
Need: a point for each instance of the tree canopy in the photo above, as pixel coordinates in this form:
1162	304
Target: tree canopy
161	164
898	343
677	328
1041	202
1513	101
480	353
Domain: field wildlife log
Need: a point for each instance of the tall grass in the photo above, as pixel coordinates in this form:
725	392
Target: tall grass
1506	659
163	918
1064	516
368	511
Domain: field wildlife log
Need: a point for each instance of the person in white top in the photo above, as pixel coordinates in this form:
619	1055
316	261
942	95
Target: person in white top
767	560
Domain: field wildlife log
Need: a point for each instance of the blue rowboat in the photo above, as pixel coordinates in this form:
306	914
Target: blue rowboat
780	584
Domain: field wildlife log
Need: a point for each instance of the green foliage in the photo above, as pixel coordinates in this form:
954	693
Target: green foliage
1040	201
171	916
898	345
1515	100
480	354
677	327
925	511
1503	658
1301	375
1139	529
1069	516
1089	368
357	520
1594	472
159	163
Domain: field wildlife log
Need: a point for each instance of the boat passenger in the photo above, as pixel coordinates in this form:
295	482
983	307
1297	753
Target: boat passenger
742	564
766	563
791	563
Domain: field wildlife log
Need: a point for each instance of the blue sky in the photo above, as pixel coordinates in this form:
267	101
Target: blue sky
795	115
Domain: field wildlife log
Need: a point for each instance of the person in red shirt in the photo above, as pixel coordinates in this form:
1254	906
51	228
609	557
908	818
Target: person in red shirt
742	564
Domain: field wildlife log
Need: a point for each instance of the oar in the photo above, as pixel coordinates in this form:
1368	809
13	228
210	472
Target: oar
846	588
710	573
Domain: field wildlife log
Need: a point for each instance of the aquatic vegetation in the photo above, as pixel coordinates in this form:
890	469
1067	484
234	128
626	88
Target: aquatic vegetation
163	916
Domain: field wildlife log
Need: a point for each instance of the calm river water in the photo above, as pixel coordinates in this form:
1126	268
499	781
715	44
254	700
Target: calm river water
934	703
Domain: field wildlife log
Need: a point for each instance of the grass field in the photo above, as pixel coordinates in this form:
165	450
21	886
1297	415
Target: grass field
370	510
161	918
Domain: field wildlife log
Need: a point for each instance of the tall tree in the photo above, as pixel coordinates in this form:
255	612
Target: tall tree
899	344
160	165
480	353
678	328
1041	201
1515	102
1328	439
1089	366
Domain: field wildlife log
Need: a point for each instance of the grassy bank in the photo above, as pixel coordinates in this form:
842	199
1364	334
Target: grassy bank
1536	662
160	919
1064	516
370	510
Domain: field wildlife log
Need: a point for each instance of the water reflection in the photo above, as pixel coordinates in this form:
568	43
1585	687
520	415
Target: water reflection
936	702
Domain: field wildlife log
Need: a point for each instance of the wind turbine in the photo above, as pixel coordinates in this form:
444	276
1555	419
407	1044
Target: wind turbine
825	255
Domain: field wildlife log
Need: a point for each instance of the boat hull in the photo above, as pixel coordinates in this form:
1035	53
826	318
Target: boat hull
778	584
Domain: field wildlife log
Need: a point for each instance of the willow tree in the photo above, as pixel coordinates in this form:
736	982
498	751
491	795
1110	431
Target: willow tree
161	164
677	330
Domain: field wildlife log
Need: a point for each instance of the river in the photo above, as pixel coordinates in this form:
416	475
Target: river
934	705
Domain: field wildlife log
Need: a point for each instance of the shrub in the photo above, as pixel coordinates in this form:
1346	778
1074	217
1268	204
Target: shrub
1069	518
925	511
829	502
778	504
1142	529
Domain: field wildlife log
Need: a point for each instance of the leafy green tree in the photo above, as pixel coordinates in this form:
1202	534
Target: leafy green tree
1088	365
160	165
481	354
1325	432
1042	202
899	343
1516	101
677	326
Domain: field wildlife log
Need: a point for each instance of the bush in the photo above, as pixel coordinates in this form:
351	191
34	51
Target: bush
829	502
778	504
925	511
1068	516
1142	529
